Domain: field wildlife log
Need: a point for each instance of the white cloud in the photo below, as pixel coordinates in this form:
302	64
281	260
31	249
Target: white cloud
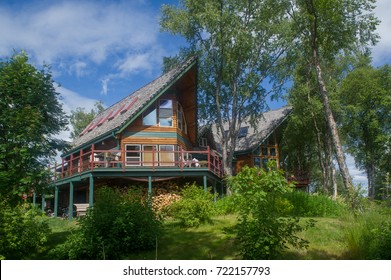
105	85
70	100
89	29
381	52
79	68
136	62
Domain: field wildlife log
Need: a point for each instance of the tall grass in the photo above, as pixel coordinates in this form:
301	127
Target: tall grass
314	205
367	234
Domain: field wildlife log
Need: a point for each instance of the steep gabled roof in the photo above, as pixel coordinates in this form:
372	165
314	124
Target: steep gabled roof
118	116
267	123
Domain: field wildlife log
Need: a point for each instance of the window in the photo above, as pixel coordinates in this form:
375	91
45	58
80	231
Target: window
265	151
150	155
165	112
243	132
203	142
166	155
149	116
133	155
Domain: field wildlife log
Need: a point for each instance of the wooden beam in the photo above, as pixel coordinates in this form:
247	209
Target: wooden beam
70	210
55	201
91	191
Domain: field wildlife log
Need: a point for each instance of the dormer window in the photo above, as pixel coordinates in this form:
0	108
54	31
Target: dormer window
243	132
203	142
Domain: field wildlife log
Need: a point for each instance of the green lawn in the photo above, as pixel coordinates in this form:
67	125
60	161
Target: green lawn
216	241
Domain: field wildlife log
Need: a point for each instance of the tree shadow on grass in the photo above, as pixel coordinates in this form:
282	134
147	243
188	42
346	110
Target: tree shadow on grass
178	243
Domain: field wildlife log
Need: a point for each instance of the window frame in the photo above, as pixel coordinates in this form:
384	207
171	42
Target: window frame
128	162
171	118
152	161
165	153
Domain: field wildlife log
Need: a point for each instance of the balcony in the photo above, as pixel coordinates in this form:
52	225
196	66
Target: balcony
149	162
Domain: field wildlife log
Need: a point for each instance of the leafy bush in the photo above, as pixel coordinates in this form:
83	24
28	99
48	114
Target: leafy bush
117	225
194	208
310	205
226	205
24	231
263	232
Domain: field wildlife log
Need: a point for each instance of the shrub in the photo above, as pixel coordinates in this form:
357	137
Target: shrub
24	231
117	225
194	208
262	231
226	205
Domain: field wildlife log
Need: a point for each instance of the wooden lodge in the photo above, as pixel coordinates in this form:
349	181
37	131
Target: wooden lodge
258	144
150	135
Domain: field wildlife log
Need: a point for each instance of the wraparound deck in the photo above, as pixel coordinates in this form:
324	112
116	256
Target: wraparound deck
154	163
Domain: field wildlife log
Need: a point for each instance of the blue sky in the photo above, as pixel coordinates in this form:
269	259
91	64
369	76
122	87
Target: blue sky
105	50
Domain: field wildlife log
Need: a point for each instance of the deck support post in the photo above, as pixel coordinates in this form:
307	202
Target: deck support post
214	191
91	191
150	191
43	203
205	184
70	209
55	201
34	198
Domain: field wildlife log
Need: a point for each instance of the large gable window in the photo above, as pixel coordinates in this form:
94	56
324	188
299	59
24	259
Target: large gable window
165	112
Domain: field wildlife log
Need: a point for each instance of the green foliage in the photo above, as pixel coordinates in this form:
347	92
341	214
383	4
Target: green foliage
23	230
368	234
117	225
365	101
30	116
240	47
314	205
226	205
194	208
263	232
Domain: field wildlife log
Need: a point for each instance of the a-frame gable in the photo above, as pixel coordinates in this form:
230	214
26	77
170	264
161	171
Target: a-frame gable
117	117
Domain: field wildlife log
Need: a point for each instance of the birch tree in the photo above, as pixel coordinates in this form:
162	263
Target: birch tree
240	46
326	29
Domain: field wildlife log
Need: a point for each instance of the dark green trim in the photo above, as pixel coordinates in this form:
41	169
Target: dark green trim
151	134
205	184
156	97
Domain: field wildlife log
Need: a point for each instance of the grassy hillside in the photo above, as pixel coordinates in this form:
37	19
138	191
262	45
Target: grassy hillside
217	241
